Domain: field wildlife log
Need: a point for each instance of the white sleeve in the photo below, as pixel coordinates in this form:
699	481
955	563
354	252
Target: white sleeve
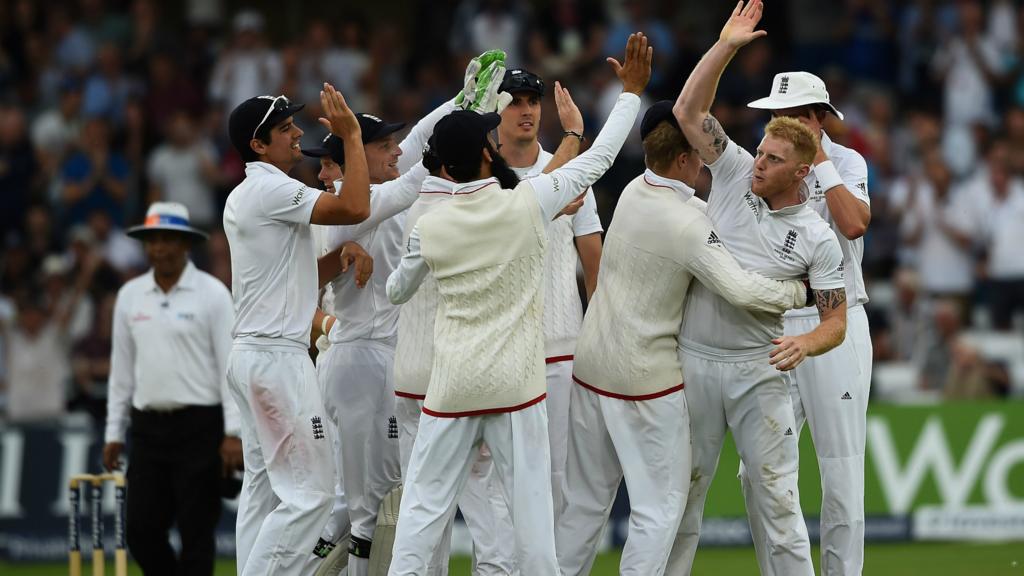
121	383
730	180
386	200
854	173
710	263
586	220
412	145
409	274
826	269
222	319
288	200
555	190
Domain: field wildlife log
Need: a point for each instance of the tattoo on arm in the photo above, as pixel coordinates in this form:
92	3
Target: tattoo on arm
827	300
716	140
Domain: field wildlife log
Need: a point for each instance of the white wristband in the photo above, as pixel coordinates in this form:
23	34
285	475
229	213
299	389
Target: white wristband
323	324
827	175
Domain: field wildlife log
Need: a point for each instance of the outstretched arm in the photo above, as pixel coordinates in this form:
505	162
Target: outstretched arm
572	123
354	206
693	107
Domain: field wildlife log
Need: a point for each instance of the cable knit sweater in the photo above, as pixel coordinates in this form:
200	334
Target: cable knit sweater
658	242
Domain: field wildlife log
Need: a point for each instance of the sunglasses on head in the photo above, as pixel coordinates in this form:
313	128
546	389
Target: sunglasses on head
276	103
521	82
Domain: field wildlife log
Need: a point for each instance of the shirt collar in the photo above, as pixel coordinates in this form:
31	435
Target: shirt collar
470	187
653	179
258	167
187	280
826	144
804	196
435	185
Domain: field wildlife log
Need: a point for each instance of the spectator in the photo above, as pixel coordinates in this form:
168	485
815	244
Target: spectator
998	199
183	169
18	171
94	177
972	376
169	91
480	25
933	226
57	129
38	347
247	66
118	250
969	64
936	352
109	89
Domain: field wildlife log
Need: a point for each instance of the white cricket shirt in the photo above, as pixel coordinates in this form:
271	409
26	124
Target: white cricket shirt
366	313
563	310
854	171
170	349
273	262
789	243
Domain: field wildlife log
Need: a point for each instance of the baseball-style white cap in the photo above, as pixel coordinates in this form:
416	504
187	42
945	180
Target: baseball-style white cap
792	89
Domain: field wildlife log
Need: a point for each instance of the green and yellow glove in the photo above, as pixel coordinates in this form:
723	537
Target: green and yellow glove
484	75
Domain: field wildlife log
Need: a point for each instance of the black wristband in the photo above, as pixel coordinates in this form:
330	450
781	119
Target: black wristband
574	134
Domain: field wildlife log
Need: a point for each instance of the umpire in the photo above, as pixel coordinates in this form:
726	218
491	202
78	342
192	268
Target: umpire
171	338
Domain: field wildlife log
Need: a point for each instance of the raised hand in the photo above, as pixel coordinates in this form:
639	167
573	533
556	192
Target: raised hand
635	72
739	29
568	113
475	85
338	117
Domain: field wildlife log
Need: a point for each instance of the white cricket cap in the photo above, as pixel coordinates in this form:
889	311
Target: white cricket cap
792	89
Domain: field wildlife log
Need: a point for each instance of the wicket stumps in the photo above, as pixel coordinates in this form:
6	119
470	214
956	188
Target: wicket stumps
95	482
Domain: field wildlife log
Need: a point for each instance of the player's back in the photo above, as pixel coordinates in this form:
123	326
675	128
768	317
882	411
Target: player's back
628	342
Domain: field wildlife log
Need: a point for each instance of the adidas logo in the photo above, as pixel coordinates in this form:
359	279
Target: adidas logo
847	397
392	428
713	239
789	432
318	428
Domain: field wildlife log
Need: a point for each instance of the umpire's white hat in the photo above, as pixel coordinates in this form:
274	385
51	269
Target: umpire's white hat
792	89
169	216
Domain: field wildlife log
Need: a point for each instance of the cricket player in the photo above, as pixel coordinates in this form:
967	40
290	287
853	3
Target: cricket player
736	373
356	371
628	413
830	392
572	238
289	468
485	249
483	501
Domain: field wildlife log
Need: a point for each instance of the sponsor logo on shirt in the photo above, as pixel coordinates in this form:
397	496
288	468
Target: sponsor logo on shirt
751	203
713	239
140	317
863	187
298	196
318	428
186	316
392	428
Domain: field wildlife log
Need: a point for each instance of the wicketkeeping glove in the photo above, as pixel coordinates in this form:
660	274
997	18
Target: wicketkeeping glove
473	87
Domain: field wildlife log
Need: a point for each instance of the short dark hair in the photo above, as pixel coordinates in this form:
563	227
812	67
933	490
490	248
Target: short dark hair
263	135
664	144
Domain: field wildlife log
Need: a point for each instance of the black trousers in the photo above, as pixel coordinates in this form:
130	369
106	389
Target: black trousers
174	474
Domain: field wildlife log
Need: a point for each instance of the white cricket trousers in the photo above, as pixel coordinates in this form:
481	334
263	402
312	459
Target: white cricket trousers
830	392
289	465
559	387
359	397
442	455
740	392
482	503
648	443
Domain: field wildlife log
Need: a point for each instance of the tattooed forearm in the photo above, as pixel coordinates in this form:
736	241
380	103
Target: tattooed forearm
716	140
827	300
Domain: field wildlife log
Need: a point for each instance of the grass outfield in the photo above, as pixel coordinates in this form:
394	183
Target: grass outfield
945	559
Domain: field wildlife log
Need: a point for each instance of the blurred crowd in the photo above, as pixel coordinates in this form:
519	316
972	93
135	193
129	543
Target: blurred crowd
107	105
